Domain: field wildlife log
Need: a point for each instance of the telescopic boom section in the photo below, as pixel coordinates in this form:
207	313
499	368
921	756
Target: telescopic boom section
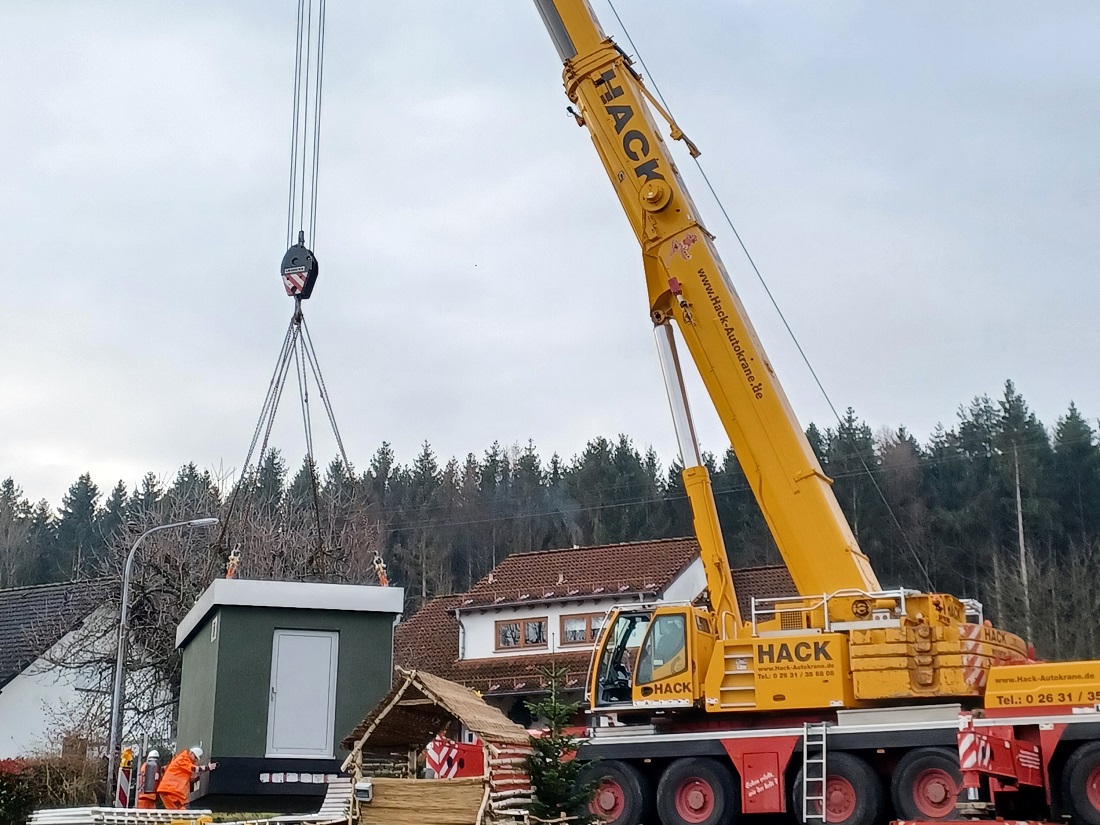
687	282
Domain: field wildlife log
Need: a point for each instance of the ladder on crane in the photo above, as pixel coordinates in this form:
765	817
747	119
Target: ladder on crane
814	771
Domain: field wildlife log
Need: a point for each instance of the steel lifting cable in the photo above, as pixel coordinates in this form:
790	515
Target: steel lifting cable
299	271
297	349
311	464
263	425
306	123
775	304
315	366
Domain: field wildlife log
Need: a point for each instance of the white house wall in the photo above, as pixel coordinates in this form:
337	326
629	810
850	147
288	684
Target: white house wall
478	630
31	705
688	585
36	705
477	627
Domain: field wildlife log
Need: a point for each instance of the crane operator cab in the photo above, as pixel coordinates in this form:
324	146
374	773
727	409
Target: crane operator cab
644	657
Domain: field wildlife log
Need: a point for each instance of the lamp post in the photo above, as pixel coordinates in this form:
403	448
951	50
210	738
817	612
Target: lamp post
120	650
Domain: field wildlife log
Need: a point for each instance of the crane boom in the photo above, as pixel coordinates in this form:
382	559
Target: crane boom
687	283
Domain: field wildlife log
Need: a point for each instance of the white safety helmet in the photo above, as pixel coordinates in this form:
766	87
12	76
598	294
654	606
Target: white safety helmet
196	752
153	754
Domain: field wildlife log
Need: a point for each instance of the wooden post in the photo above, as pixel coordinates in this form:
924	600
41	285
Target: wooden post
356	778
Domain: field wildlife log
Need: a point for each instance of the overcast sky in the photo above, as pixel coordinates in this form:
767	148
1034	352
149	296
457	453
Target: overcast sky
918	182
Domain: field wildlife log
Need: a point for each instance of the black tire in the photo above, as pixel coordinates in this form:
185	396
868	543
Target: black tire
1081	784
697	791
623	795
926	785
865	786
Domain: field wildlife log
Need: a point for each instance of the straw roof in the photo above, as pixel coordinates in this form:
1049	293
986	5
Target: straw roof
420	705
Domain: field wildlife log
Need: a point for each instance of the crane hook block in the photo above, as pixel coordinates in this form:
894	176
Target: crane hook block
299	270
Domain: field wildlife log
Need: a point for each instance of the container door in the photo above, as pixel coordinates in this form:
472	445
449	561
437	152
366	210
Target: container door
301	713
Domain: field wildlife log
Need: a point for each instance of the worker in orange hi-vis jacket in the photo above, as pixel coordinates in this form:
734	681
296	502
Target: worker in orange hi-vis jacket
175	783
148	775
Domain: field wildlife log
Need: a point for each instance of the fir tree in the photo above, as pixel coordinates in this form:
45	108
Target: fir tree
143	502
553	771
1077	476
42	544
16	561
80	547
113	516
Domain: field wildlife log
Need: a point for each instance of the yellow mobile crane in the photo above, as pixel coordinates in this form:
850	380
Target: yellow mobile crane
898	644
841	643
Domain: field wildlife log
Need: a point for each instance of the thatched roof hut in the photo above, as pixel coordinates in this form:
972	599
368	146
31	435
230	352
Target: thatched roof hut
406	720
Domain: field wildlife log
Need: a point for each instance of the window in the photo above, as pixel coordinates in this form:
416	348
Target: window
581	629
521	633
617	659
664	651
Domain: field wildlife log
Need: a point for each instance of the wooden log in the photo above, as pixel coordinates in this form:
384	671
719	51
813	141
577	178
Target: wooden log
508	794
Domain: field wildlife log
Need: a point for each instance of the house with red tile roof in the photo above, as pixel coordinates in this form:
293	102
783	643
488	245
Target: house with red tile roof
547	608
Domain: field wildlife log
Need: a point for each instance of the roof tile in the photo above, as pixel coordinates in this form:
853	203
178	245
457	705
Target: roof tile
33	619
637	567
766	582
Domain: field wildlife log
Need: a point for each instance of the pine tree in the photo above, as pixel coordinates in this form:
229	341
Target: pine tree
80	546
143	503
904	560
418	547
190	488
745	532
42	544
591	482
379	475
298	498
561	504
554	774
268	485
16	561
1077	476
850	452
529	501
113	516
494	487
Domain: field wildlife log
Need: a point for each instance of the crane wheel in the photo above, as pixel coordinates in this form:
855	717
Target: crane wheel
622	794
853	793
926	785
697	791
1081	784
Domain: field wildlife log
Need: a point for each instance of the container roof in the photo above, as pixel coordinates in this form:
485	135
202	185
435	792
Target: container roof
358	598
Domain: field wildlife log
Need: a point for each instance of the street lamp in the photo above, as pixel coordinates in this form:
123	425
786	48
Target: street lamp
120	651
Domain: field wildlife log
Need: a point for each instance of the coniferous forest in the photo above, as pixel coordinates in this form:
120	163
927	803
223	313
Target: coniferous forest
940	514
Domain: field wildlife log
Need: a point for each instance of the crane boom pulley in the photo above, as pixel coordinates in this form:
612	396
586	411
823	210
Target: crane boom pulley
299	269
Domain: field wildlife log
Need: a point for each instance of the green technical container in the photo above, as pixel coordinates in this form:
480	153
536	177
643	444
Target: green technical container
275	674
